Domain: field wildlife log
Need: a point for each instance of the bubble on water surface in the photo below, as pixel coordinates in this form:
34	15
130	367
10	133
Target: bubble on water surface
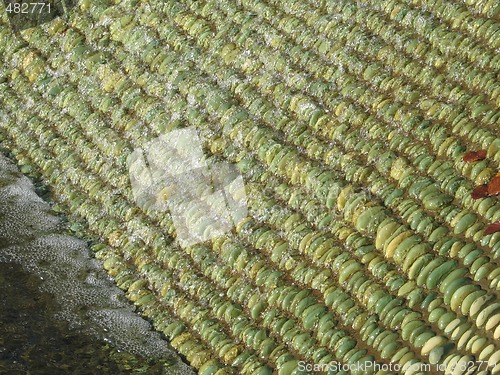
30	235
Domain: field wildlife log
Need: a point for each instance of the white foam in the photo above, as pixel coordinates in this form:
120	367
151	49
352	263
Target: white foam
87	297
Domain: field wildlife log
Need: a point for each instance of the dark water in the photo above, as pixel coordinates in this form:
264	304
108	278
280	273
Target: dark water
32	341
59	311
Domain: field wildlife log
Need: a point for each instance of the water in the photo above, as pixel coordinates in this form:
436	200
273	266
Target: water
60	312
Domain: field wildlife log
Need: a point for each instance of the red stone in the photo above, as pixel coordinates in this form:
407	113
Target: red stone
475	156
